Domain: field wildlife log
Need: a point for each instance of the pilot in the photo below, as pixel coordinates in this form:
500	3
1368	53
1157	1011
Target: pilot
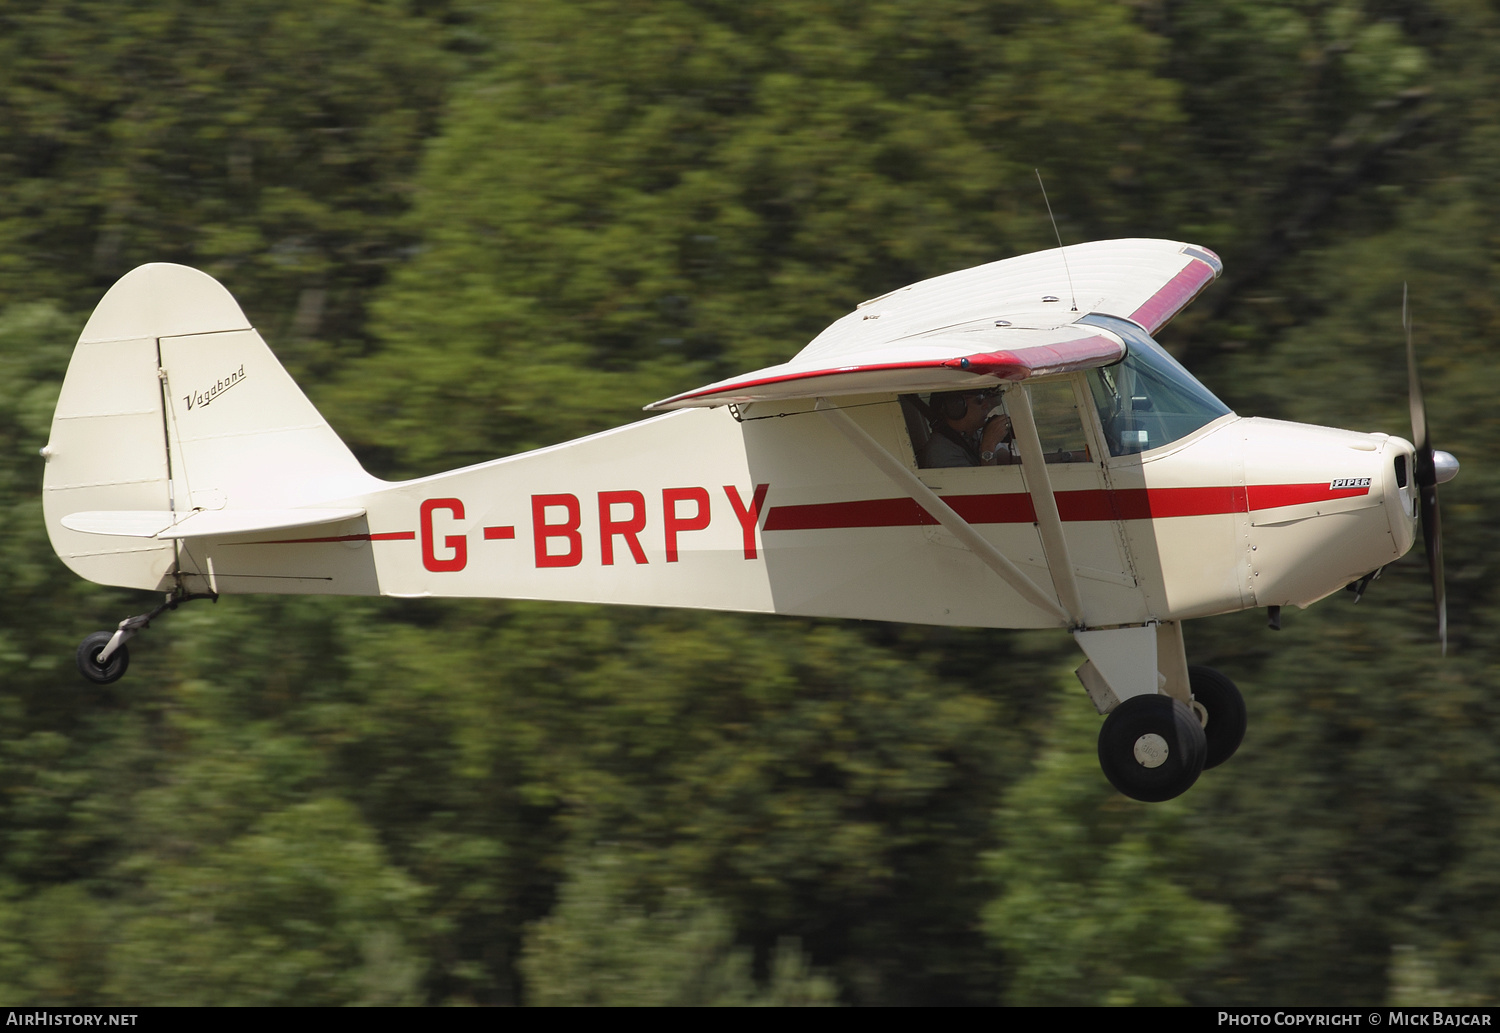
961	434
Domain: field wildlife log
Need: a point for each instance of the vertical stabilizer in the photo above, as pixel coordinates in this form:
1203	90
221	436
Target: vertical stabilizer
173	404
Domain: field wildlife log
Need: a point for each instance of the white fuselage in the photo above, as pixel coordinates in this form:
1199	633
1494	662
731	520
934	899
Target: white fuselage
775	511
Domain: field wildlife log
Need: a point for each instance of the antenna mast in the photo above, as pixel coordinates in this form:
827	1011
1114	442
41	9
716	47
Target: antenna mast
1072	295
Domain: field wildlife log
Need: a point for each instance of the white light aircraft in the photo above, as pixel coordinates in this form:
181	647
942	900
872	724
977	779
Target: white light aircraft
849	482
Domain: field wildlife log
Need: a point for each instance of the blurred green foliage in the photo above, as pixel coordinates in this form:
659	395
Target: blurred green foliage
596	950
445	215
1097	902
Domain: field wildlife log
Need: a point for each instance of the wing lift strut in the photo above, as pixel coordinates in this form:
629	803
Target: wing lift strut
1122	661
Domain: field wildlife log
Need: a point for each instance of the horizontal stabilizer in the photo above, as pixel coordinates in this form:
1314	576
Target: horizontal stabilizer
162	524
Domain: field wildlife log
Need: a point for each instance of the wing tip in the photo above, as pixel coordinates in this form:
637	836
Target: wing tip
1207	257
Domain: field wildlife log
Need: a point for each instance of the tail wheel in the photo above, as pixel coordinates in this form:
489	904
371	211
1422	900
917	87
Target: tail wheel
1221	701
1152	748
110	670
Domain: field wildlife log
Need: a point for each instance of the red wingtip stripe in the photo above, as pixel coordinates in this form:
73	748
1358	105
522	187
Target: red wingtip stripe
1173	297
1084	353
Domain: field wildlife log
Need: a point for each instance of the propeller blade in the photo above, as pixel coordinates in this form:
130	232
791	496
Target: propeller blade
1425	476
1414	390
1432	536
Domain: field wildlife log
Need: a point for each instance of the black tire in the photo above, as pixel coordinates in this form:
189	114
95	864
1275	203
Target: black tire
1225	708
1152	748
89	665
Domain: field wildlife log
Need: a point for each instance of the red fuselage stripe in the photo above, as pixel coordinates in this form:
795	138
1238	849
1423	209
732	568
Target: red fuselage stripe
383	536
1094	504
1008	508
1272	496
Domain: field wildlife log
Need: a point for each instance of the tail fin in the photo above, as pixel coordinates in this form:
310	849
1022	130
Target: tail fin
172	405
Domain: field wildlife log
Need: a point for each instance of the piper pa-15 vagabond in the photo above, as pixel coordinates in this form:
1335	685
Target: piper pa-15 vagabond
1122	499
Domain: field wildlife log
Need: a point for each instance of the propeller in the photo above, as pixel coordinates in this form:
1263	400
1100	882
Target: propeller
1432	468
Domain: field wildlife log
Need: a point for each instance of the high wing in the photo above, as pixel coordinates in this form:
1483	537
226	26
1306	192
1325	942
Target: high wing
1007	320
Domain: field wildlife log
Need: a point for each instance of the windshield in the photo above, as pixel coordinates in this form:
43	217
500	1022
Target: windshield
1149	399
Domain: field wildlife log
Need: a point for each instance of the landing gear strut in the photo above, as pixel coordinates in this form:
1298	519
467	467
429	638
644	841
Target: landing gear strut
102	656
1174	721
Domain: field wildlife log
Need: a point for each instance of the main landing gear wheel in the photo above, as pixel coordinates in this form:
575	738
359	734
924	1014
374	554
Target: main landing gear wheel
88	659
1152	748
1224	725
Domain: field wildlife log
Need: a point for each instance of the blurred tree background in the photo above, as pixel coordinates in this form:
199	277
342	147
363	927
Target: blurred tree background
437	211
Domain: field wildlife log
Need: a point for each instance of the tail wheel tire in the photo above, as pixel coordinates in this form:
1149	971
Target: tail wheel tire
1225	707
1152	748
88	659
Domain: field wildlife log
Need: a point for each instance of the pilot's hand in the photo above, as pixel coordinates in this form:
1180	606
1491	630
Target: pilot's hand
995	431
991	439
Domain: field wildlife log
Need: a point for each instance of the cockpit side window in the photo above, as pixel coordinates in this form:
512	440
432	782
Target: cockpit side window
1148	399
951	428
945	432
